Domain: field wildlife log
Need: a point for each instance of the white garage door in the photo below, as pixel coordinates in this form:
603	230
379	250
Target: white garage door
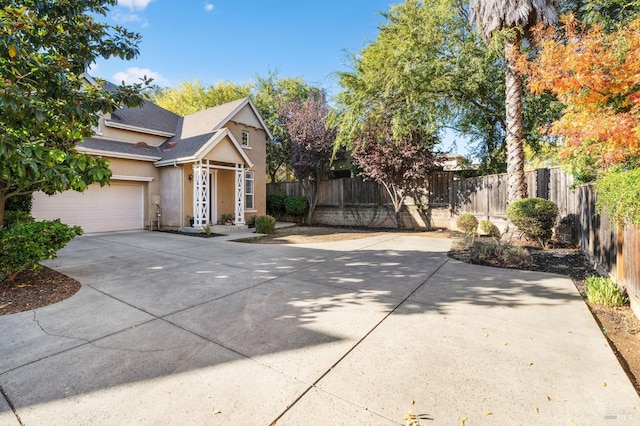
118	207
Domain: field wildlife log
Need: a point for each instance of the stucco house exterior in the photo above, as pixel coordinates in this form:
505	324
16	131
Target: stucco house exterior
168	169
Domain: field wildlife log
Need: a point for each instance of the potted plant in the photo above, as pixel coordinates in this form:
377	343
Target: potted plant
227	219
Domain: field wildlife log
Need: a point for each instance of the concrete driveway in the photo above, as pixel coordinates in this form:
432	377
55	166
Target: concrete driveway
169	329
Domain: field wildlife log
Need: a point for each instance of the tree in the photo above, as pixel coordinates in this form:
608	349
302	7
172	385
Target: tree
516	17
311	141
405	69
610	14
595	76
192	96
399	165
270	95
46	104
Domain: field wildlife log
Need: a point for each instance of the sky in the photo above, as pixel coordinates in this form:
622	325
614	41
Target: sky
238	40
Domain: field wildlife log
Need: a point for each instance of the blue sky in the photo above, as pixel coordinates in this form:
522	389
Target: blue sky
237	40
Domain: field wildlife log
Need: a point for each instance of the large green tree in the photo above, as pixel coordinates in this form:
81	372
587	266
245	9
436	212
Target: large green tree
193	96
435	71
46	104
400	72
512	19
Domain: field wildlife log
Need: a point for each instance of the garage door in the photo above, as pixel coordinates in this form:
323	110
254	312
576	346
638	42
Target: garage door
118	207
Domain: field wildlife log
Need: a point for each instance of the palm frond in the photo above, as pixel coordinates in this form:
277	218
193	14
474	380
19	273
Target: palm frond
494	15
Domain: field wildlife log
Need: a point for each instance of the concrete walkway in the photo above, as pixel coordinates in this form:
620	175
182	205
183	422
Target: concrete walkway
170	329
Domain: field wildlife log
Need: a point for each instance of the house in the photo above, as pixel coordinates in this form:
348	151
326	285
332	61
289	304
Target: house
168	170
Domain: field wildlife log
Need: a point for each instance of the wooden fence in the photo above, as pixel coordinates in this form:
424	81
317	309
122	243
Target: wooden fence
615	250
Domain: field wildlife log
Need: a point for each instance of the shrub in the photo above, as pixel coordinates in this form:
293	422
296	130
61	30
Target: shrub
207	228
489	229
12	218
467	223
535	217
265	224
296	206
26	244
21	203
276	203
500	254
603	291
619	195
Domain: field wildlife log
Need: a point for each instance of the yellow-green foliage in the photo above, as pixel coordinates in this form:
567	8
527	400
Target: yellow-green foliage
535	217
467	223
619	194
603	291
489	229
265	224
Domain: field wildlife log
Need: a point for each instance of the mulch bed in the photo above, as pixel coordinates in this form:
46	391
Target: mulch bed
34	289
191	234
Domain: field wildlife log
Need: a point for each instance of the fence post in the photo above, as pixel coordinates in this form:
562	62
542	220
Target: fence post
486	189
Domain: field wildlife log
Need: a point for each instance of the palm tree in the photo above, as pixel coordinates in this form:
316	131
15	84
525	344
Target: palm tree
520	15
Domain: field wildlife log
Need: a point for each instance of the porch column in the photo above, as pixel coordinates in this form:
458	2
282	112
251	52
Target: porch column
239	194
200	195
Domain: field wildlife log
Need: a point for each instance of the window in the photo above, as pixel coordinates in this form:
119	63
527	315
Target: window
248	191
245	138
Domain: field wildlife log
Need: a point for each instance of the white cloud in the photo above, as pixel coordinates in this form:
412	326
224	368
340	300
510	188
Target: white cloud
208	7
134	74
134	4
124	18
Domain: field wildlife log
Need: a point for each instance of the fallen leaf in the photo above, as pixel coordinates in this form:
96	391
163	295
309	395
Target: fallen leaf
488	414
463	420
217	412
530	364
506	343
537	410
548	398
604	384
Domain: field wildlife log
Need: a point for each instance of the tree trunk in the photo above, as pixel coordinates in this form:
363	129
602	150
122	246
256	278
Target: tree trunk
3	201
516	182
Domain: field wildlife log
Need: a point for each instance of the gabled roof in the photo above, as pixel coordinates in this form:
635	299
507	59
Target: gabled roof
217	118
189	138
195	148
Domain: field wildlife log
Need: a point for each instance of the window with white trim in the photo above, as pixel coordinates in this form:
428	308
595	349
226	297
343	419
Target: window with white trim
248	191
245	138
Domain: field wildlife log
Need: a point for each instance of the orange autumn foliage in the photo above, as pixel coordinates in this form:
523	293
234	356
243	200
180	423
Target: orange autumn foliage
597	77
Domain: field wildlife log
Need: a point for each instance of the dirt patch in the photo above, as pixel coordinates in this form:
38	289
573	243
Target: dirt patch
321	234
35	289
